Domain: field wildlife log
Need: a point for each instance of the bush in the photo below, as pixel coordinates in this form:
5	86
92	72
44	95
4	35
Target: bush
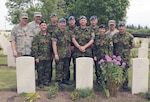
52	92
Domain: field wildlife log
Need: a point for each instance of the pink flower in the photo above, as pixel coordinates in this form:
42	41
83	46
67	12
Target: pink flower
114	57
108	59
123	64
117	63
101	61
118	58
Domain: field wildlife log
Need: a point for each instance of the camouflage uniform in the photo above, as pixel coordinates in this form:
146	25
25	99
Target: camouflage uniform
83	36
36	27
23	38
50	29
96	30
42	49
63	41
110	34
102	47
73	30
122	44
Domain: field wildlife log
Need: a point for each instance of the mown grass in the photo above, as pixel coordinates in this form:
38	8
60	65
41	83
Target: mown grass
3	60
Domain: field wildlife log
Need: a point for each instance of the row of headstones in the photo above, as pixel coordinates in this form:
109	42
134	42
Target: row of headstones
140	69
25	73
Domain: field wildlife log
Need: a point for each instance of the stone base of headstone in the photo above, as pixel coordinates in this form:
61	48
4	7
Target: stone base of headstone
140	74
10	58
84	73
25	69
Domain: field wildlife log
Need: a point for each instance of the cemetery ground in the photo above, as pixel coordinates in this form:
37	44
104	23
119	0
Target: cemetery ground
8	89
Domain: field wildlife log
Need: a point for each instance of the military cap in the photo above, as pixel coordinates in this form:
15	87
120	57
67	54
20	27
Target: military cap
43	21
37	14
53	14
71	18
82	17
102	26
61	20
111	22
121	23
23	15
92	18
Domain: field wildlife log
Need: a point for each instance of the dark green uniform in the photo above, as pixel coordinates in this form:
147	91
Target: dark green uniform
102	47
42	49
63	41
50	29
122	44
73	30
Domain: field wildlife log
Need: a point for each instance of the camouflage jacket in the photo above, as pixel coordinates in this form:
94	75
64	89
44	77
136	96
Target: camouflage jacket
42	47
35	27
51	28
102	46
83	36
63	42
23	39
122	44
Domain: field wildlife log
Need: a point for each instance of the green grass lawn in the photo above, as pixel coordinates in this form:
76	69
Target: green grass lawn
3	60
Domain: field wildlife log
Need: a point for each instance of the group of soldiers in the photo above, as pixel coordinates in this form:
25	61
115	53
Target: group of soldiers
63	42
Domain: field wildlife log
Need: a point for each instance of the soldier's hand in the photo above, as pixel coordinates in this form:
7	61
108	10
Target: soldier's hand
15	54
56	57
95	58
37	60
82	48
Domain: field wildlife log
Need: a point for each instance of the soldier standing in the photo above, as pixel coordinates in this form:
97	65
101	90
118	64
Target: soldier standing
112	28
83	39
72	27
21	37
94	27
42	51
51	28
35	24
61	45
102	47
123	42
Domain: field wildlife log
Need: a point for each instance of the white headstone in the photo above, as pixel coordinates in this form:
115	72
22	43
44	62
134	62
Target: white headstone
144	44
84	73
25	68
10	58
142	52
140	72
136	40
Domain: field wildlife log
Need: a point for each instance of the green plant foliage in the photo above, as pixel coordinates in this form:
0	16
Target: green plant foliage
75	95
31	97
52	92
85	92
147	95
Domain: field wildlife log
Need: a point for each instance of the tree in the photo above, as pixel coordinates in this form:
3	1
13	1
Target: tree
104	9
15	7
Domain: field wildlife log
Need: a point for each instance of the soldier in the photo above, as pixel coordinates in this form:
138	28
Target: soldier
112	28
51	27
72	27
42	51
83	39
102	47
60	43
123	42
35	24
21	37
94	27
53	23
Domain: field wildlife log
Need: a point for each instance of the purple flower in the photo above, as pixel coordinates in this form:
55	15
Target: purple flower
118	58
117	63
123	64
101	61
108	59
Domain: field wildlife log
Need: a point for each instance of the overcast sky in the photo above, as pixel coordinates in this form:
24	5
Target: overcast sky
138	13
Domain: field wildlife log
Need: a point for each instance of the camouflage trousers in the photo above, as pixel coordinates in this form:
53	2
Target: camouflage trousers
125	75
44	71
62	69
